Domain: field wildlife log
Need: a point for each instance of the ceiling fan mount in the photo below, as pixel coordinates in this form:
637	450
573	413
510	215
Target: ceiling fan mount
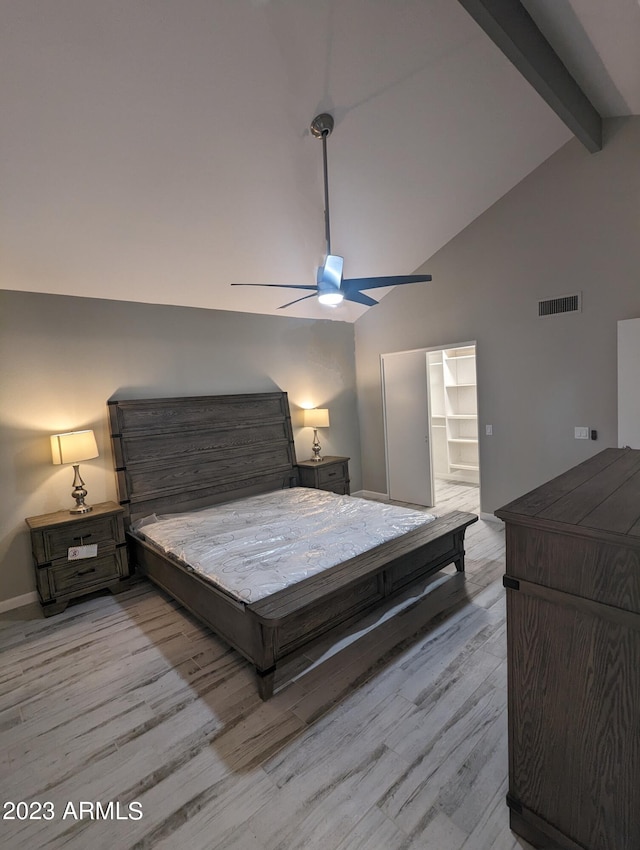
331	288
322	125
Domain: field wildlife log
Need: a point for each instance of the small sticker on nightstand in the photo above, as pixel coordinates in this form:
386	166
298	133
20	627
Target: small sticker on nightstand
77	553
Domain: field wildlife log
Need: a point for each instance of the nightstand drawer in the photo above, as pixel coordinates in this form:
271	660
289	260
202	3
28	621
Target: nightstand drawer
100	530
340	487
329	475
74	576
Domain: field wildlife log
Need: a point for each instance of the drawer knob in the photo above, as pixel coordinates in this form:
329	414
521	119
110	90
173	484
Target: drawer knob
86	572
82	537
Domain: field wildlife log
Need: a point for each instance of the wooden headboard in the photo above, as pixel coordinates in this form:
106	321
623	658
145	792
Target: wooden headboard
175	454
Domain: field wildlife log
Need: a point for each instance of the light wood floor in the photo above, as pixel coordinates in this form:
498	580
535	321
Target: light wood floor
393	739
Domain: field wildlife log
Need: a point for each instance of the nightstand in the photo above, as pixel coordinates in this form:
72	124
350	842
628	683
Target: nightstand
55	541
330	473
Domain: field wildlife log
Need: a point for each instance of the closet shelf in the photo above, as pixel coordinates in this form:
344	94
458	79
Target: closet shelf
455	426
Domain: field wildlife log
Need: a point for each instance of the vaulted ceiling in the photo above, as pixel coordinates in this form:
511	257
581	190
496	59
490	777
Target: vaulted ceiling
160	151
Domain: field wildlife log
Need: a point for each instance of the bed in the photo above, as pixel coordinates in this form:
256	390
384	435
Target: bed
184	455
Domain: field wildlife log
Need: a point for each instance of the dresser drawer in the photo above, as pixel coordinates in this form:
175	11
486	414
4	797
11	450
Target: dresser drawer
100	530
80	576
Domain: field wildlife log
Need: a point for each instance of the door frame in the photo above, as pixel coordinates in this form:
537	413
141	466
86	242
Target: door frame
426	350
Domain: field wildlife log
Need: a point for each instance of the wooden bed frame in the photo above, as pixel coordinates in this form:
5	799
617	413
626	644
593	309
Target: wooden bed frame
178	454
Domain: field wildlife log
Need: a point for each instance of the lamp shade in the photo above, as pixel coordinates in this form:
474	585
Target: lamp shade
316	417
73	447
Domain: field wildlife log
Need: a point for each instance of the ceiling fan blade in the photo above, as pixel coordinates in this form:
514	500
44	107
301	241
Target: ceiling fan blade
279	285
360	298
357	283
304	298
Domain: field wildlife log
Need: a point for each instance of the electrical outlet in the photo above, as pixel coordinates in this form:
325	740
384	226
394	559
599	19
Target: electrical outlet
581	432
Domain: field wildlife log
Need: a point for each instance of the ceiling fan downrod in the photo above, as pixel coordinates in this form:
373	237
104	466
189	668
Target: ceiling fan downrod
322	127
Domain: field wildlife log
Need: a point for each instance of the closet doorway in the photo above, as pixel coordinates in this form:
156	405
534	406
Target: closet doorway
430	420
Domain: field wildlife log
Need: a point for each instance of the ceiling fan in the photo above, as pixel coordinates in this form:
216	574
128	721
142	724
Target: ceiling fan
331	288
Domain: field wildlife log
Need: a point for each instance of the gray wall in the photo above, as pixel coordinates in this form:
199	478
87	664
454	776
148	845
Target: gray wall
64	357
573	224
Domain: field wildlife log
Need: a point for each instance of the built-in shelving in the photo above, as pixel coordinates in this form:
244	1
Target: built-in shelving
454	417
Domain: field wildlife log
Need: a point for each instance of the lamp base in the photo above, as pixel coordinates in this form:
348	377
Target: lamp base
79	493
80	509
316	446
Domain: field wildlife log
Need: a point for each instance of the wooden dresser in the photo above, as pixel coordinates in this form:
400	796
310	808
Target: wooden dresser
573	642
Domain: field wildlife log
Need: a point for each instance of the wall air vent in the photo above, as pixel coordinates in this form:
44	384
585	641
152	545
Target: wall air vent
562	304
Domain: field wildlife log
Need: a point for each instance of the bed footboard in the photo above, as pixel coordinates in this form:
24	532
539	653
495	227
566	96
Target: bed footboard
296	617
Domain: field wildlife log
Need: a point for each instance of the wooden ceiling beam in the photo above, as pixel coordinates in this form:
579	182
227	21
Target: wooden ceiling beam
511	28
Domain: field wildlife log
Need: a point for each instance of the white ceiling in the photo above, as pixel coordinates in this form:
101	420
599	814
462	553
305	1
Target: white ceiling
160	151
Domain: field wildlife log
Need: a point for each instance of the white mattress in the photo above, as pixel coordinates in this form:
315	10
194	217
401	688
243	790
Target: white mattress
256	546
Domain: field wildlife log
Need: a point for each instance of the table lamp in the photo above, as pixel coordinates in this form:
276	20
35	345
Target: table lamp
73	447
316	417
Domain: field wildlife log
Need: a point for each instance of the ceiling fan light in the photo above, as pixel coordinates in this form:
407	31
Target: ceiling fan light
330	274
330	280
331	298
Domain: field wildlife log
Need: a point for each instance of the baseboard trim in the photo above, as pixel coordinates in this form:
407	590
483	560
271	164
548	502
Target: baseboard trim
18	601
371	494
490	518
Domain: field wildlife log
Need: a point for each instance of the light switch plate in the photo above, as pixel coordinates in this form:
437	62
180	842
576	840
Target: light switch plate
581	432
